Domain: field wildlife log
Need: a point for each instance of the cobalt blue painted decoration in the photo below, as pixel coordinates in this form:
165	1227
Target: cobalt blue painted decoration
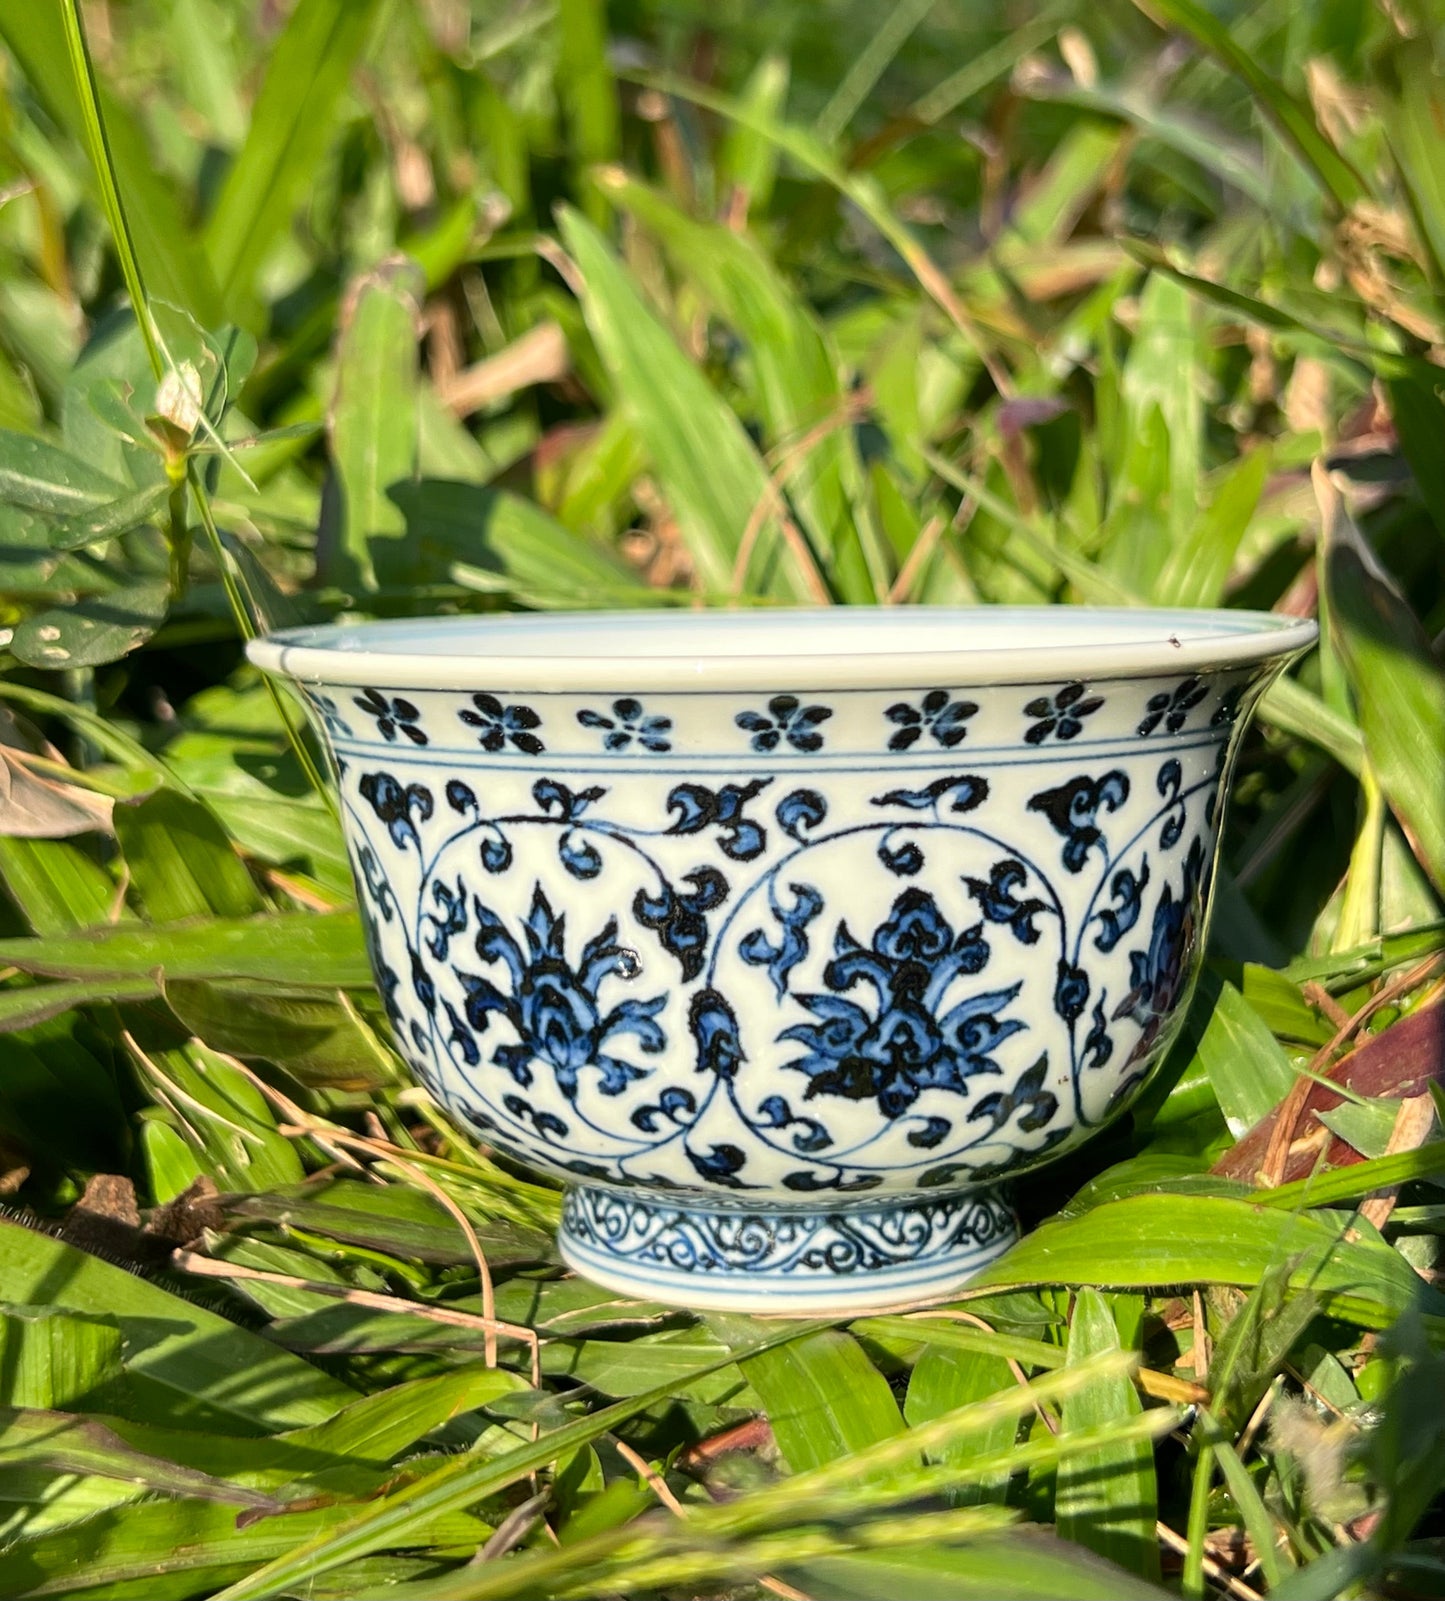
782	980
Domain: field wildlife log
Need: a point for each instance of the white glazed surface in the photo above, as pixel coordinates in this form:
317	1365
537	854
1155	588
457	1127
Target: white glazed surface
731	955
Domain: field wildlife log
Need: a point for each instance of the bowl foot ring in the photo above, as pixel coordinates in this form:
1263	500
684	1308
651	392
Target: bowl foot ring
802	1263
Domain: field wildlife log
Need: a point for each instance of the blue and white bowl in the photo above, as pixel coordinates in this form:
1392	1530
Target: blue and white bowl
783	937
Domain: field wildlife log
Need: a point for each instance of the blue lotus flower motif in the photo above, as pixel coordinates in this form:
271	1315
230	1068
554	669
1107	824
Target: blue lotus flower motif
628	722
1157	974
941	717
555	1007
909	1039
788	720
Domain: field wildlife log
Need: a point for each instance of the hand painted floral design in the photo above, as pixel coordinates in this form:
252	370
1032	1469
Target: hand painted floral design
1172	707
397	804
501	725
908	1039
1073	809
393	715
788	720
935	714
330	714
555	1007
1227	712
1060	715
1158	974
627	723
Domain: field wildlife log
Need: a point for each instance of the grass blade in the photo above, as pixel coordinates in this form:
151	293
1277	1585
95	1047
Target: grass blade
1107	1499
707	467
1335	176
291	123
1398	685
373	427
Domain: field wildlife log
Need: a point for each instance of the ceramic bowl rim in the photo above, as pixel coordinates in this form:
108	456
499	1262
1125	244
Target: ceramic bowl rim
871	648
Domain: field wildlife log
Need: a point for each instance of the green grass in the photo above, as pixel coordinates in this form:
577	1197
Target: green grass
453	308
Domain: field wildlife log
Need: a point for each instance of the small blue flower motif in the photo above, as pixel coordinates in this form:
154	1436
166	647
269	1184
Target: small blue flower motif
789	720
629	722
330	715
503	725
1172	709
393	716
943	718
1227	712
1060	714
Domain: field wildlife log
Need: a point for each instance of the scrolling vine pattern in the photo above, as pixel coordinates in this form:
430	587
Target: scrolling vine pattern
891	1055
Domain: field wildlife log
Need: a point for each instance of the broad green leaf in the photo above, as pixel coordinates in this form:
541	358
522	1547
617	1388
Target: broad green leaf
1274	1553
63	1444
110	521
745	160
117	1555
1359	1178
1157	468
24	1004
292	122
172	265
1281	1004
192	1360
1293	709
326	950
1247	1067
55	884
94	631
794	375
180	862
379	1427
823	1397
1414	118
1417	404
1149	1240
373	426
453	526
397	1220
204	39
943	1331
393	1519
630	1367
946	1377
318	1039
1107	1499
1029	1565
1256	1344
586	87
285	832
224	1118
59	1101
1294	121
706	465
1198	566
1399	687
41	477
58	1361
171	1166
